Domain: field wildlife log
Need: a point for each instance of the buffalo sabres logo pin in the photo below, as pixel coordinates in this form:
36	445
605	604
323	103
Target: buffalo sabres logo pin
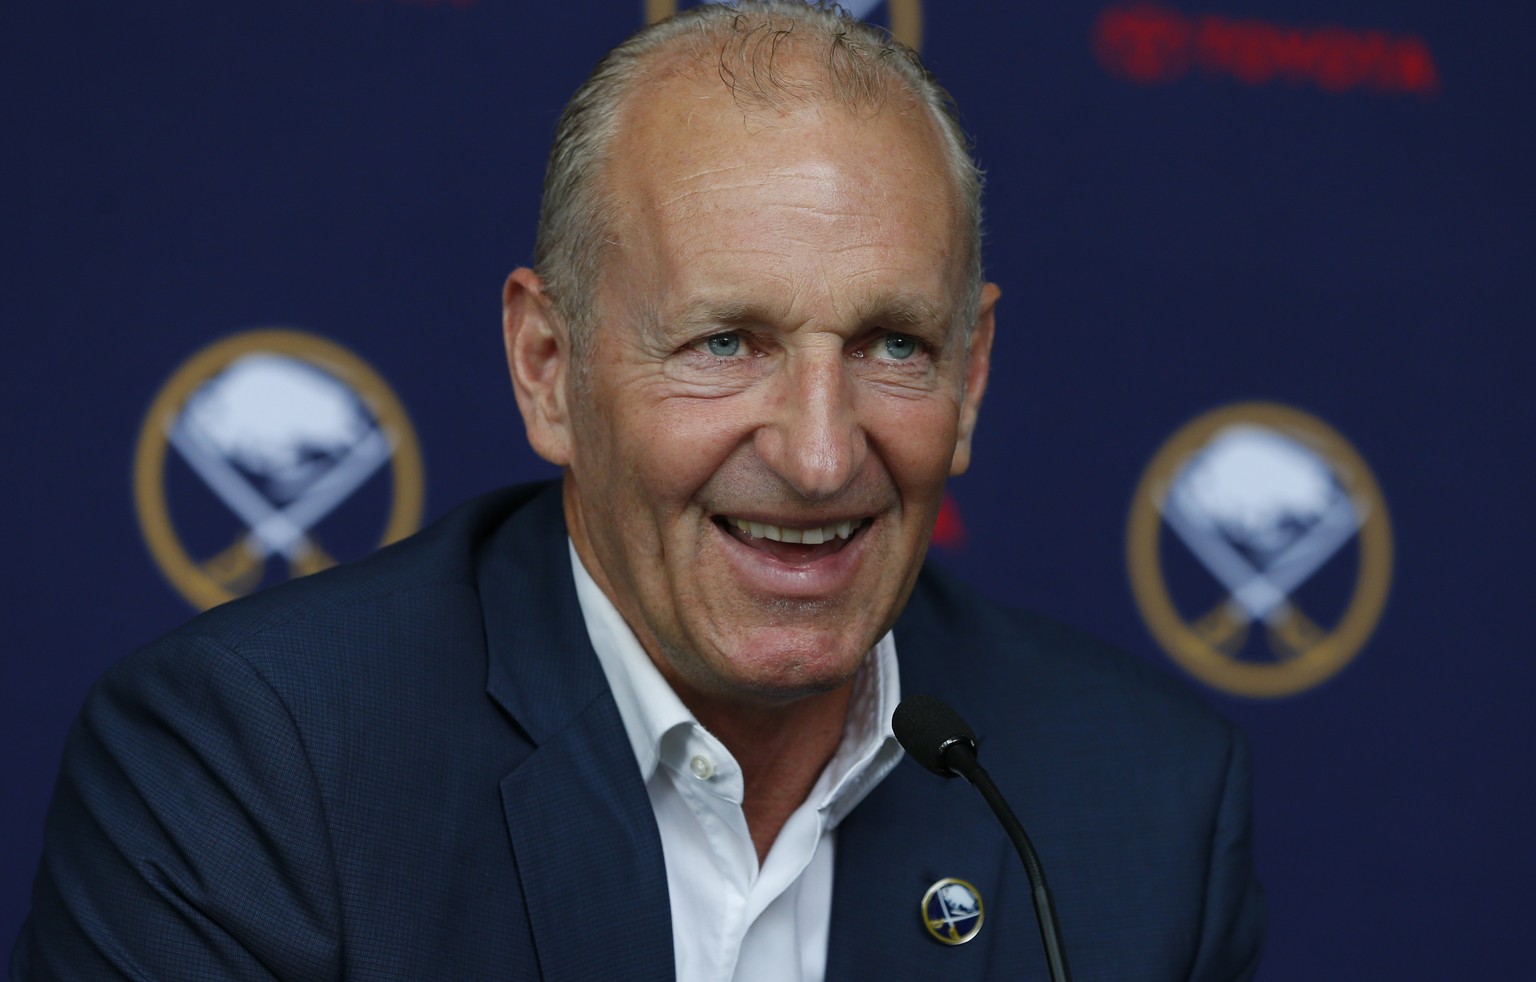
952	911
249	453
1280	554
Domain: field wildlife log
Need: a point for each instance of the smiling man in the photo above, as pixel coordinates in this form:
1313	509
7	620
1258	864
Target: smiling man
635	725
785	346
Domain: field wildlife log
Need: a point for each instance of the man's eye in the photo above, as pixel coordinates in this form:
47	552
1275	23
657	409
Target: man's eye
898	347
723	345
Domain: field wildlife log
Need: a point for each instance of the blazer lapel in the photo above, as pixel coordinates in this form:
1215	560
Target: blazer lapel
583	835
589	856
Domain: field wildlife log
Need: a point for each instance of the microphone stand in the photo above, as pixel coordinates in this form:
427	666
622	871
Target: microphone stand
961	758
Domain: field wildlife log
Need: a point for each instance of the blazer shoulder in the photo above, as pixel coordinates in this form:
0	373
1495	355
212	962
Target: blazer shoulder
422	584
1010	654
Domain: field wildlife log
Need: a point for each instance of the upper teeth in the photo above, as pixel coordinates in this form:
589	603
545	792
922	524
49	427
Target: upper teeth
810	537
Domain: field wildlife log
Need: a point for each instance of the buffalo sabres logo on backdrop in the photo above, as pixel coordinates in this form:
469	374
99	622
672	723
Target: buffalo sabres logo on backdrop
1282	517
259	439
904	18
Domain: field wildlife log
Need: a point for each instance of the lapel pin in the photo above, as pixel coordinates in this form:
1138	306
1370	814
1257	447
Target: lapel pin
952	911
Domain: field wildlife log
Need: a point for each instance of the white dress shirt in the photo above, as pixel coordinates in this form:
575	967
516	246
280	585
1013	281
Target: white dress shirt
731	919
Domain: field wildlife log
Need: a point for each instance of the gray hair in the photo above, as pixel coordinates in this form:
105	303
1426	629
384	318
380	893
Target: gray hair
860	63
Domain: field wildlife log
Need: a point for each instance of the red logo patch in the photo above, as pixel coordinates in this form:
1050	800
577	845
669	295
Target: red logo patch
948	531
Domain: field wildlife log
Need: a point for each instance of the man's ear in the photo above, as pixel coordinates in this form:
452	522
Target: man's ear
538	357
977	364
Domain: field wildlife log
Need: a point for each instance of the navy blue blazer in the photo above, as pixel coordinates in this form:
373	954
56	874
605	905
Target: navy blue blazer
412	768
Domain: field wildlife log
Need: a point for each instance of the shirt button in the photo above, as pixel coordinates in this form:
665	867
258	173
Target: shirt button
702	767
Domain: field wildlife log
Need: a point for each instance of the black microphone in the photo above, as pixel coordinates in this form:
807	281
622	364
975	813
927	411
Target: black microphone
938	738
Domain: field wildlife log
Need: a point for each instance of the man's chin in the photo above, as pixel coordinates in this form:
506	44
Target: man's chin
781	670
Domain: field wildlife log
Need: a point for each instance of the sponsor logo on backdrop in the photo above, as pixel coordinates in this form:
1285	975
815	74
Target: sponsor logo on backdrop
1282	543
904	18
1150	44
260	438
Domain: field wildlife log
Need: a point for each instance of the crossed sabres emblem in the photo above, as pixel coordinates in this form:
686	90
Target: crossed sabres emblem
1262	513
282	443
1263	496
304	435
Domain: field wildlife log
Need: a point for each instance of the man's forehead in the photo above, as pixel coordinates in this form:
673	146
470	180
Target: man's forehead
677	130
689	154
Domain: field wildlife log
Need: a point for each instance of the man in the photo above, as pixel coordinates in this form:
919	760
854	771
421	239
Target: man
636	726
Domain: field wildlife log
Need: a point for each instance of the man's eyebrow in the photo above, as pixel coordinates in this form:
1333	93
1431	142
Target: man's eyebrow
904	310
703	313
725	312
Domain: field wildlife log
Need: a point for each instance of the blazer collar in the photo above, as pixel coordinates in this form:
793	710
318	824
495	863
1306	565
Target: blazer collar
542	669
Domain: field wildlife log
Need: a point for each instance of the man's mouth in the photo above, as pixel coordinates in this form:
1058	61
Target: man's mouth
809	537
795	546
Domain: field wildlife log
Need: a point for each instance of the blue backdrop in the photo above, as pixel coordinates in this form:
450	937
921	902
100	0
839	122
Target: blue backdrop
1255	408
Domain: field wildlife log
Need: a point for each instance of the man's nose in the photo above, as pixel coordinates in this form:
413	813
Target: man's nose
813	438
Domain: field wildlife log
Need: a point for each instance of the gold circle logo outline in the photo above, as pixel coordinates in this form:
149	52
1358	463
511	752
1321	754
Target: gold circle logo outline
1373	581
906	18
183	572
933	891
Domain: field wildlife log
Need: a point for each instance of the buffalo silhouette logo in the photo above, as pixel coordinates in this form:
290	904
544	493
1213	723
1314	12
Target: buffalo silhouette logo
269	434
1276	510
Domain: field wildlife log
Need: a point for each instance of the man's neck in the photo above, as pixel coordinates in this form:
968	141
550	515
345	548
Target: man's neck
782	751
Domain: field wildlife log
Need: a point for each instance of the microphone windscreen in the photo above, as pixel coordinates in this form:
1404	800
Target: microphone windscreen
925	726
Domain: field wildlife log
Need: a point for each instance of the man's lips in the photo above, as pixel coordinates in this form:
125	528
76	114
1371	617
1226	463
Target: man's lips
794	546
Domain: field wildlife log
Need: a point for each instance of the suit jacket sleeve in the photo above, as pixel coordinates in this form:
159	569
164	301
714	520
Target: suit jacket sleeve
1232	929
186	838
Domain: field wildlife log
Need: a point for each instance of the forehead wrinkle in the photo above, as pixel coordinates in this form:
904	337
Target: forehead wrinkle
824	188
818	182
